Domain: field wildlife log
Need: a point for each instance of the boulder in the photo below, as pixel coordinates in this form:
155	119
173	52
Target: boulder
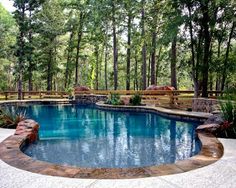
81	88
29	129
164	88
210	128
215	119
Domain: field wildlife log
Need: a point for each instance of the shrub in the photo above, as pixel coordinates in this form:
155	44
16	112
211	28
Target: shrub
228	110
136	99
70	92
114	99
10	117
228	106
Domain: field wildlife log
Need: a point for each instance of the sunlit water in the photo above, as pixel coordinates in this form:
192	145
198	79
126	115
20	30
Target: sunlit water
88	137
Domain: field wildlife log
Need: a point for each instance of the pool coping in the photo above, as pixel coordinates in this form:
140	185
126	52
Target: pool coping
211	151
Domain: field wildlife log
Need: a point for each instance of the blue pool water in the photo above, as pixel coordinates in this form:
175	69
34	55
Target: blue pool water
85	136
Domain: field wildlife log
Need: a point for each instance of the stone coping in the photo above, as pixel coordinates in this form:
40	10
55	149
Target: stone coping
211	151
173	113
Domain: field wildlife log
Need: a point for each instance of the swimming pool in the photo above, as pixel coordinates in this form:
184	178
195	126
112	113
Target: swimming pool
85	136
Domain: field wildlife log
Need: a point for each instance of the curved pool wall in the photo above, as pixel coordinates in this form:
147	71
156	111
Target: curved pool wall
210	152
85	136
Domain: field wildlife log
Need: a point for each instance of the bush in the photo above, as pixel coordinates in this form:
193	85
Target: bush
136	99
114	99
228	110
70	92
228	106
10	117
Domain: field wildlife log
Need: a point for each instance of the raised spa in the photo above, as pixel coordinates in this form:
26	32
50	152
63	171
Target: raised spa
85	136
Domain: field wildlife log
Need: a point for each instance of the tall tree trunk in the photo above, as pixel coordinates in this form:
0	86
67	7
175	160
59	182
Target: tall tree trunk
194	71
115	50
149	69
224	76
157	63
207	42
128	52
173	63
217	87
153	57
69	56
144	53
97	67
49	68
21	54
106	59
80	32
136	71
30	87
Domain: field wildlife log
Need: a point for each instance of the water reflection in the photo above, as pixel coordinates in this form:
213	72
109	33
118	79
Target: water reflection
89	137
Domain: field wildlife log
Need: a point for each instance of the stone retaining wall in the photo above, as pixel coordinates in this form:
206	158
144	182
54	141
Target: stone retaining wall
89	99
204	105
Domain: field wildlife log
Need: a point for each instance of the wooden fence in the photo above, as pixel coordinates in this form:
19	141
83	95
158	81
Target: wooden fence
33	94
170	99
174	99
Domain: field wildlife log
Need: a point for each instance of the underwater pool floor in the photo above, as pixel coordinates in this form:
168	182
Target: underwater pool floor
219	174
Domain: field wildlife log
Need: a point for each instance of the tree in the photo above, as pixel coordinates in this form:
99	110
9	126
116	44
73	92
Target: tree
144	46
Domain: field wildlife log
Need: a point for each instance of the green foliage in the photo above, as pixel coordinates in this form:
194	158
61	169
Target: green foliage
228	106
136	99
114	99
10	117
50	56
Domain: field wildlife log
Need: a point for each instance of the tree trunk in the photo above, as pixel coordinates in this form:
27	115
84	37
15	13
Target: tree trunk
49	68
80	32
106	59
144	53
153	57
30	87
173	64
136	72
207	42
157	63
195	81
224	76
128	52
69	56
115	50
21	55
97	67
149	69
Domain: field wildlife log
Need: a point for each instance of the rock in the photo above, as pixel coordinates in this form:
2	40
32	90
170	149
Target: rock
210	128
89	99
125	100
81	88
214	119
155	87
29	129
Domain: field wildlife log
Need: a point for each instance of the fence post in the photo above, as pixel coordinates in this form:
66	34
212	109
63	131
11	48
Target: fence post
6	95
171	95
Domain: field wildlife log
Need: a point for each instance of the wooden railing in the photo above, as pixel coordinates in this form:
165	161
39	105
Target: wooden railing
165	98
174	99
33	94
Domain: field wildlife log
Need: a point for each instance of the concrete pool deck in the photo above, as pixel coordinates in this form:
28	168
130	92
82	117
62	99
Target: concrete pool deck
220	174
